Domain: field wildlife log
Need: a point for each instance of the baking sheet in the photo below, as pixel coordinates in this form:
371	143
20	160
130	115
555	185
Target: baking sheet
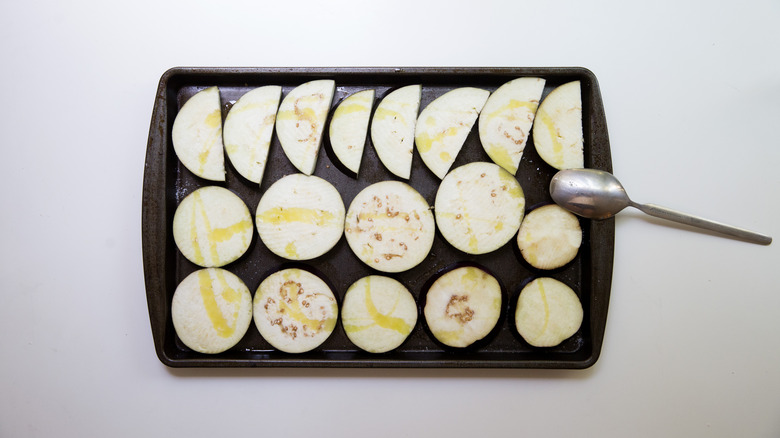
167	182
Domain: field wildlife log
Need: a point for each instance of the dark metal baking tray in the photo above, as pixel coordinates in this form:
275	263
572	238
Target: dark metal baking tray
166	182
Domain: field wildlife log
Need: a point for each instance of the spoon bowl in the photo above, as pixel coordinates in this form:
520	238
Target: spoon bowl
590	193
596	194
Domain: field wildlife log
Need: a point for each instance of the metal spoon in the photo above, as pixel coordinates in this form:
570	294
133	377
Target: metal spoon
596	194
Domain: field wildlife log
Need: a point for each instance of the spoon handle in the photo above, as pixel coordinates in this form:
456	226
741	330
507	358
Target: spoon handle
700	222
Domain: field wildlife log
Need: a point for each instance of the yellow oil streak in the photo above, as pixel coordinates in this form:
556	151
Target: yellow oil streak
232	148
382	112
219	235
213	235
368	221
548	123
546	307
207	293
282	215
214	119
291	305
514	104
514	188
449	337
258	130
197	207
470	218
473	243
472	275
532	254
385	320
498	153
304	112
249	107
304	115
425	142
350	108
291	250
501	156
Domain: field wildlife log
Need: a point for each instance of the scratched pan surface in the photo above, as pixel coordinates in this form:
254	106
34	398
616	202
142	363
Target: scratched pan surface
167	182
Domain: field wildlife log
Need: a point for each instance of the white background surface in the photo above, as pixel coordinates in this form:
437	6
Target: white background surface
692	97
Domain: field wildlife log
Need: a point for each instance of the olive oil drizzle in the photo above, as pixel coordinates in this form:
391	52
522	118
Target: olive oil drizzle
213	235
213	310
